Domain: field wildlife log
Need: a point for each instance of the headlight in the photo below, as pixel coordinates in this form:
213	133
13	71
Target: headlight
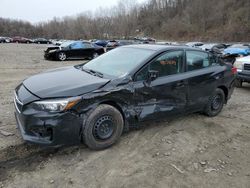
56	105
238	65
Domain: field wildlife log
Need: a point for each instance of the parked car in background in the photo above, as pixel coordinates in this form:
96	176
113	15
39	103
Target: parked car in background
116	43
238	49
95	102
102	43
8	39
164	43
243	68
5	39
145	40
112	44
148	40
194	44
42	41
213	46
2	40
21	40
73	50
56	42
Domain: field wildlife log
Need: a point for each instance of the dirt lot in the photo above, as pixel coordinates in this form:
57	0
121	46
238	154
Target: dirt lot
191	151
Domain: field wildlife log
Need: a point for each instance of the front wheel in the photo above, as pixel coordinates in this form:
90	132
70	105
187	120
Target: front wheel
103	127
62	56
215	103
95	55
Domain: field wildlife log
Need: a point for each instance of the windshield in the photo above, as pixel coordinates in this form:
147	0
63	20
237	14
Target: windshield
119	61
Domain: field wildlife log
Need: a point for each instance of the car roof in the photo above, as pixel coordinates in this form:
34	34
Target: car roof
157	47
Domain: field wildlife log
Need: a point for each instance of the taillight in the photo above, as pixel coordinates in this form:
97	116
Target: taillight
234	70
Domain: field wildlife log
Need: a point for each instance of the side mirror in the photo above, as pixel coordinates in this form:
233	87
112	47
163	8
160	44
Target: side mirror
152	75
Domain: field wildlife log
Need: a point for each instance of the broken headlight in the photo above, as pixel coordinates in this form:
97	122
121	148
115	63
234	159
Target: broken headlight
57	105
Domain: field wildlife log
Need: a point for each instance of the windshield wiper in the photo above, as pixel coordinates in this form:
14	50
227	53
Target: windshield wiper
92	72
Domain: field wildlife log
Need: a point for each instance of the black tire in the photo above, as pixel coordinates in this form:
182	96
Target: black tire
95	55
238	83
103	117
62	56
215	103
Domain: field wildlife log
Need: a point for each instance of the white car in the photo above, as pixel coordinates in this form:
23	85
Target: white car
243	68
194	44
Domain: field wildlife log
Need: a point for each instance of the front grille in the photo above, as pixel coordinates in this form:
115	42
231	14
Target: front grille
18	103
247	67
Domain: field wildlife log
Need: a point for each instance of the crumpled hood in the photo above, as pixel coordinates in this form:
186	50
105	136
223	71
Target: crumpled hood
53	48
63	82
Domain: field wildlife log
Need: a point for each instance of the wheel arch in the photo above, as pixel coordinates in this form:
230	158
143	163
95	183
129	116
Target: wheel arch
115	105
225	90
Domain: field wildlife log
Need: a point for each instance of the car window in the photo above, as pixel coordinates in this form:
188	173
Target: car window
143	74
167	64
87	45
197	60
213	60
77	45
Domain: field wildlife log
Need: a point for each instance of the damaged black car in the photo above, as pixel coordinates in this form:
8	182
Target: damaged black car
94	103
73	50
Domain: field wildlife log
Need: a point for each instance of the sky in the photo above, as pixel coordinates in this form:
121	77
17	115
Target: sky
36	11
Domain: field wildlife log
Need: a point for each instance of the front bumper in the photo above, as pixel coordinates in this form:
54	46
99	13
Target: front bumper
49	129
244	76
49	56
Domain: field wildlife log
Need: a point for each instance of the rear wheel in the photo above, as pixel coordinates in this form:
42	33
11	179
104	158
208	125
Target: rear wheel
62	56
103	127
215	103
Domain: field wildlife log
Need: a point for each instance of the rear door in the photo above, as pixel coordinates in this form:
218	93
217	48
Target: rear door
88	50
75	50
165	96
203	73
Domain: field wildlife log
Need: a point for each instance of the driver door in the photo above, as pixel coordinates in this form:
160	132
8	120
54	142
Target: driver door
75	50
167	94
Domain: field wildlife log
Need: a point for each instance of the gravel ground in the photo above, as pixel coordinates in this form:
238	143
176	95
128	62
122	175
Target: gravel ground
191	151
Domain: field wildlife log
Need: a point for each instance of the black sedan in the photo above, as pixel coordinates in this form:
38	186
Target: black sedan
42	41
97	101
73	50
